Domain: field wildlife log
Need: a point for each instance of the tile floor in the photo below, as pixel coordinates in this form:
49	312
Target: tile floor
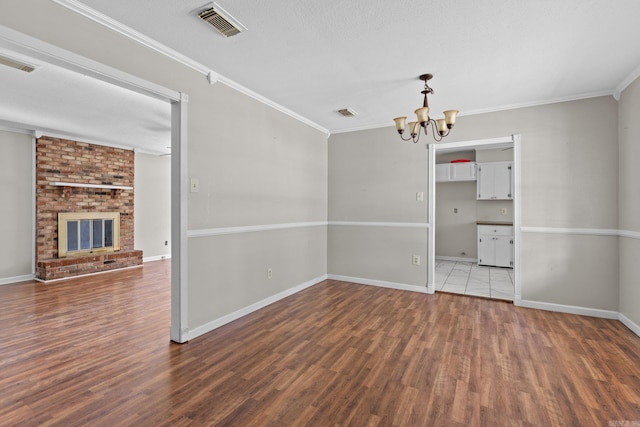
471	279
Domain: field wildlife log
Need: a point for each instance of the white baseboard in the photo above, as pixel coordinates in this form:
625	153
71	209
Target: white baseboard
380	283
456	259
570	309
635	328
214	324
156	258
16	279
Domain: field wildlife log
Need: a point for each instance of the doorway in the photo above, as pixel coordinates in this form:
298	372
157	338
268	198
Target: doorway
463	261
45	53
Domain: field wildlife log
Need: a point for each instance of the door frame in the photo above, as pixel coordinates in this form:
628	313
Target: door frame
503	142
48	53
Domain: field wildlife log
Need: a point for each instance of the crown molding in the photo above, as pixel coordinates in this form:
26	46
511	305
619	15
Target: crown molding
211	76
626	82
494	109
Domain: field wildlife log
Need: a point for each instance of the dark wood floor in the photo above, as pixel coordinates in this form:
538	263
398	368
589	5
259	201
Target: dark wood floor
96	352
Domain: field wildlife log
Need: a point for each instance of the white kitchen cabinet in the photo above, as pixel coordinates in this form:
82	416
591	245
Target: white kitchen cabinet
495	245
442	172
495	181
455	172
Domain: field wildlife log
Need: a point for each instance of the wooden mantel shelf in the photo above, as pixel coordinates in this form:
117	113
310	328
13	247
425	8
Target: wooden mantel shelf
75	184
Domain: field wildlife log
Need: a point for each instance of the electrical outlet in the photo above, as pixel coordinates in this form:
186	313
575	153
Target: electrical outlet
419	196
166	243
503	211
415	259
455	210
269	273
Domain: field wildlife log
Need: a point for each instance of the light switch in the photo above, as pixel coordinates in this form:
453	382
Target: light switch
195	185
503	211
419	196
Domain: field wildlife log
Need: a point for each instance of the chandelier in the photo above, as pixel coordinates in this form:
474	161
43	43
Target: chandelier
439	128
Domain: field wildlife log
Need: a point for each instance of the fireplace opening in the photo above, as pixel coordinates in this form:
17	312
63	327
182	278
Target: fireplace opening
81	233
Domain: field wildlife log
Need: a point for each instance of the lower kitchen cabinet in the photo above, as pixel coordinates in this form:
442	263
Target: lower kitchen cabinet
495	245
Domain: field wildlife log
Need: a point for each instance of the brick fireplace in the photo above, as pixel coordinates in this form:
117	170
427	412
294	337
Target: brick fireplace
79	177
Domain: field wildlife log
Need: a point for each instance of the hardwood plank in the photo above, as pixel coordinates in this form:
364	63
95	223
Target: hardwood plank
95	351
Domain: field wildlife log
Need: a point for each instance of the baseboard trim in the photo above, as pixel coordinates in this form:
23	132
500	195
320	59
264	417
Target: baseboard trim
569	309
221	321
635	328
456	259
379	283
156	258
16	279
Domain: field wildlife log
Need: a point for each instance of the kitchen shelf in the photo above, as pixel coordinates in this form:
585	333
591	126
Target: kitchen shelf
103	186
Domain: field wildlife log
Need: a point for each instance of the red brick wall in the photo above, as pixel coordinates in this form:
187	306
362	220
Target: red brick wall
79	162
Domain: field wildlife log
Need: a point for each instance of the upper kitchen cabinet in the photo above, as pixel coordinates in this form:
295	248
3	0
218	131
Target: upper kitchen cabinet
454	172
495	181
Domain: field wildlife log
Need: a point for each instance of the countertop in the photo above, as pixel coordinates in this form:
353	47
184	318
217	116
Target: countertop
506	223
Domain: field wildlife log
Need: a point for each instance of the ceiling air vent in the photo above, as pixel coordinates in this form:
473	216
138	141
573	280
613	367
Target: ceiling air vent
9	62
348	112
219	19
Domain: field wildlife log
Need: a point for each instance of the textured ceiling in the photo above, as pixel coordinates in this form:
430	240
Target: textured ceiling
315	57
56	101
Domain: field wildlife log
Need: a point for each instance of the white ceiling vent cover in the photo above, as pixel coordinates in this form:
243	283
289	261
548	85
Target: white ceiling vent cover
19	65
220	19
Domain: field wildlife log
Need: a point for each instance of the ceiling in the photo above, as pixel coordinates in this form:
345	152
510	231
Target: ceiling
316	57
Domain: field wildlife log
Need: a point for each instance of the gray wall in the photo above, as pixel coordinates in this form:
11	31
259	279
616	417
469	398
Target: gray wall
152	214
274	171
569	180
374	177
16	217
629	197
251	176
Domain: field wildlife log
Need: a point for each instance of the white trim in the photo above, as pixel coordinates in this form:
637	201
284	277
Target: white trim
635	328
424	225
517	217
626	82
17	279
506	107
456	259
212	76
156	258
38	131
179	329
431	217
79	185
221	321
43	51
46	282
630	234
252	228
6	126
566	230
246	91
379	283
570	309
34	187
130	33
